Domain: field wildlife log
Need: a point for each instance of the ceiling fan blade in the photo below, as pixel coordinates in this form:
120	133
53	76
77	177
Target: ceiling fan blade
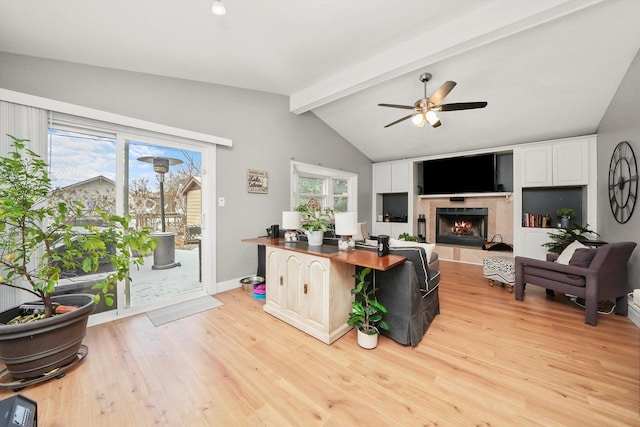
437	96
399	120
460	106
406	107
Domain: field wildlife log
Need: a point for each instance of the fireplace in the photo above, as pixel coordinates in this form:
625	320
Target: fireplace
461	226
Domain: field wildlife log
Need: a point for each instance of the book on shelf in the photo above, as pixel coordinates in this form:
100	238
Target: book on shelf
536	220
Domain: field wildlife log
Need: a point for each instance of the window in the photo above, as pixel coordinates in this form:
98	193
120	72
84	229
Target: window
334	189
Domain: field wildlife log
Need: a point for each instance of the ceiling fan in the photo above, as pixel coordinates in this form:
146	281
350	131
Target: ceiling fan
425	108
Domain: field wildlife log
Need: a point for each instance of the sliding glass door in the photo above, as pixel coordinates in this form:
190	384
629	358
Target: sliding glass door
165	194
160	185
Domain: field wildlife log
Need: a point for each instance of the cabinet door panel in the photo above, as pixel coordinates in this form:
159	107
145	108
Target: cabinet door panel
382	228
400	177
274	279
314	293
533	239
536	167
571	164
382	180
294	275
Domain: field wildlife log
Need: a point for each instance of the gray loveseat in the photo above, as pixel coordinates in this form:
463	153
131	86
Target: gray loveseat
409	292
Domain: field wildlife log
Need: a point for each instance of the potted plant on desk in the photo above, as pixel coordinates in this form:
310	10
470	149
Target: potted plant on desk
314	220
40	241
366	312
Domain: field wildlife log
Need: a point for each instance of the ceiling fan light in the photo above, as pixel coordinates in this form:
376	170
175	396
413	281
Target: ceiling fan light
418	120
217	8
432	118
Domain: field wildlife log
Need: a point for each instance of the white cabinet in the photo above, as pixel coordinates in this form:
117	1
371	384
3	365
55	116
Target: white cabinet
536	167
556	164
309	292
391	177
400	177
382	178
571	163
532	241
392	229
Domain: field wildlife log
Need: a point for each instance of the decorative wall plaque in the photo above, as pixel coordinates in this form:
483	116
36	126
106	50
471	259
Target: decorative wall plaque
257	181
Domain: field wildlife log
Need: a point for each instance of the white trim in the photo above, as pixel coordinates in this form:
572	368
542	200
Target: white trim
78	110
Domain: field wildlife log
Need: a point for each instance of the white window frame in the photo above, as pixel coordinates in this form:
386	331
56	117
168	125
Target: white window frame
299	169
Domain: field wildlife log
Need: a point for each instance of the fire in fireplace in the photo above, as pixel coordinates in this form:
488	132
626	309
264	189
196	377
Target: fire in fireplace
461	226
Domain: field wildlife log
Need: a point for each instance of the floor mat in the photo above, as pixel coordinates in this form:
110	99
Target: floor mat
177	311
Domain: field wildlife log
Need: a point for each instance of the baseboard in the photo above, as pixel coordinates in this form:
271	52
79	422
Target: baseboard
634	312
227	285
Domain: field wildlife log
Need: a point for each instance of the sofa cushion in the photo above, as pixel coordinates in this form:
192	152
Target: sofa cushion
556	276
428	247
582	257
567	253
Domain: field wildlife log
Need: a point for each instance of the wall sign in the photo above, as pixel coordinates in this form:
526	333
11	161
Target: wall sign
257	181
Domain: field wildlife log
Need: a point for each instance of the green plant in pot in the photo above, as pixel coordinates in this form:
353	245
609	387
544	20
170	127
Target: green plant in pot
565	215
366	312
315	220
39	242
565	236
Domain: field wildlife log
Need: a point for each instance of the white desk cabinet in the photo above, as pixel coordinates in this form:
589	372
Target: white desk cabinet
309	292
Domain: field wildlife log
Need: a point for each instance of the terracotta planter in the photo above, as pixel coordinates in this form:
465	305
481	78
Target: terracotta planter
367	341
32	349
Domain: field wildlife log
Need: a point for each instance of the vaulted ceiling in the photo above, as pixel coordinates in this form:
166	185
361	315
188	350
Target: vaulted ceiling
547	68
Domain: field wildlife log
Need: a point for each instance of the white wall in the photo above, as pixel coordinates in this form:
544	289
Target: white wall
620	123
265	137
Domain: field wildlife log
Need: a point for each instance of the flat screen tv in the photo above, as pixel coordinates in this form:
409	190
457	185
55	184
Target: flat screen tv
469	174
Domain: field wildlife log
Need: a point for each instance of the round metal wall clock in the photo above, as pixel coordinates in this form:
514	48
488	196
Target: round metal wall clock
623	182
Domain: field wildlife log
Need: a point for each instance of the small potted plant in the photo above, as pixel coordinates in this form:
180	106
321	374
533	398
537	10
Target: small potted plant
314	220
41	240
366	312
565	215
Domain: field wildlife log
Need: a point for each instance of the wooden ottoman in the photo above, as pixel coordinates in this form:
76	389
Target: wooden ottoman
499	269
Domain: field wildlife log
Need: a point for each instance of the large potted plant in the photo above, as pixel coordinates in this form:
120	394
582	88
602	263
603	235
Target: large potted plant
565	236
366	312
314	220
41	240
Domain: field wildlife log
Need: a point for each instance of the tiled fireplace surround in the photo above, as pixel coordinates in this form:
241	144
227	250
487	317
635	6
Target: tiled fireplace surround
500	221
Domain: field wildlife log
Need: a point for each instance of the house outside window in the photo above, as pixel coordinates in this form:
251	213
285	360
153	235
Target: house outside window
333	188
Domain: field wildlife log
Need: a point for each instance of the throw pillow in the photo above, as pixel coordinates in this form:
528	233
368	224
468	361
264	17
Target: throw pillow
582	257
428	247
567	253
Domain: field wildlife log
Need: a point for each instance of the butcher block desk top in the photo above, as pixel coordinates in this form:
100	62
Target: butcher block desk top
356	257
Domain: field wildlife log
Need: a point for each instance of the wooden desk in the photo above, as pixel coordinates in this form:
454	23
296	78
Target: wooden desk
309	287
356	257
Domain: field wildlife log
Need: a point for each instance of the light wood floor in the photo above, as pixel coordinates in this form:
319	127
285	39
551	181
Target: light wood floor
486	360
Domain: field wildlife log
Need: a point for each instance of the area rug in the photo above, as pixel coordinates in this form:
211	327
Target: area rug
183	309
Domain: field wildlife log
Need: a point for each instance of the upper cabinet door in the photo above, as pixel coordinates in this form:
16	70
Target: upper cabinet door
382	178
536	166
400	177
571	163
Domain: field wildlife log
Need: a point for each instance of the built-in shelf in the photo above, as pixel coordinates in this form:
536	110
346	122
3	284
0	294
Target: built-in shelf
440	196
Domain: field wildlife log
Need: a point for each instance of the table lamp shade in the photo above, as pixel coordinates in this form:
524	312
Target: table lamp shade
346	223
290	220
